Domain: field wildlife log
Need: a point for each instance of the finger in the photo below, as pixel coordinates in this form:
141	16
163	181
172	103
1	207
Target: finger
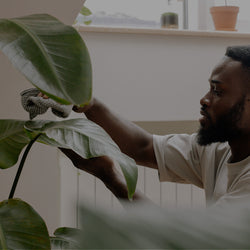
73	156
80	160
77	160
101	167
43	95
79	109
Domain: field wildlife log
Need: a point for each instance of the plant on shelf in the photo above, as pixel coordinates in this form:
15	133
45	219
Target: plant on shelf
169	20
54	58
84	16
224	17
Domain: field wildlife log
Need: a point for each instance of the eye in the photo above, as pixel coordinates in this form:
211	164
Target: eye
216	91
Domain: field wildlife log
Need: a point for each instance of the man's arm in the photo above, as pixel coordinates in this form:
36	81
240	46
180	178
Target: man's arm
132	140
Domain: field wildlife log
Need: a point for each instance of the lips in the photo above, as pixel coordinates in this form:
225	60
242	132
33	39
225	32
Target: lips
204	119
204	113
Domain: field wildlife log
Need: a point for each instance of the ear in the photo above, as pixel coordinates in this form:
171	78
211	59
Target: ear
248	96
248	99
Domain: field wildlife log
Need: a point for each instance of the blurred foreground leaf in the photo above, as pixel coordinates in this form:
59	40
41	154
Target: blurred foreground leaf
149	227
66	238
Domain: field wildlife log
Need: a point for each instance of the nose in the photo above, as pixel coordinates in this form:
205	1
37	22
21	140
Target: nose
205	101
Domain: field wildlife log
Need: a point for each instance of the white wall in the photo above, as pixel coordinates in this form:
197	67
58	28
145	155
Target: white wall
145	77
154	77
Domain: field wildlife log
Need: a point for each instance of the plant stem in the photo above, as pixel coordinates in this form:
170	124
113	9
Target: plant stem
20	168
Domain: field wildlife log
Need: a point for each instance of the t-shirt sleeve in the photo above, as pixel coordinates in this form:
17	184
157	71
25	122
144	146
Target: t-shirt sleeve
178	158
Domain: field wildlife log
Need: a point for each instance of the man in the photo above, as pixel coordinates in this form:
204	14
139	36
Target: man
216	159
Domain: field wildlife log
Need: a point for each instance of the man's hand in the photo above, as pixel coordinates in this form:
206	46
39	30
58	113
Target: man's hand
43	95
75	107
101	167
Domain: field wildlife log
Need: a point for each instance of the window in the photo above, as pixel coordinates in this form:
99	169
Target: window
138	13
192	14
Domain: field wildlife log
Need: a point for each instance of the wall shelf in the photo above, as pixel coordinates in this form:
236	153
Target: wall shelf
160	31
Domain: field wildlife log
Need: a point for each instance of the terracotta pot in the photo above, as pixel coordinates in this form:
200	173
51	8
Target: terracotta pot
224	17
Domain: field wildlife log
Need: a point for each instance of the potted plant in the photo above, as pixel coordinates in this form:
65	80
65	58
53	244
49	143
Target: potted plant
54	58
85	16
169	20
224	17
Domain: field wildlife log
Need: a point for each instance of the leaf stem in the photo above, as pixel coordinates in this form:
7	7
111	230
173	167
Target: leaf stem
20	168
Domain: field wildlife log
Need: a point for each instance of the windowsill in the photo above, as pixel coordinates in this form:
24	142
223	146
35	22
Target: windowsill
163	31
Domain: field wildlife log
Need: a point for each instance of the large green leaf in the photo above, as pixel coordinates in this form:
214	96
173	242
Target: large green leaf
22	227
66	238
12	140
50	54
88	140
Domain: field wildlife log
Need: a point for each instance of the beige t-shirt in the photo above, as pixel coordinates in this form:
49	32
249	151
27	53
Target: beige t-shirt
181	159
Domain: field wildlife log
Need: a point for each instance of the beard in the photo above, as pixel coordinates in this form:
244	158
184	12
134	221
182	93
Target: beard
225	128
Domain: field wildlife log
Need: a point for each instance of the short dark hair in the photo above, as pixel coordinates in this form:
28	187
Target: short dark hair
240	53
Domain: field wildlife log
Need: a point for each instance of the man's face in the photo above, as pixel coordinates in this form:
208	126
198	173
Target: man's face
224	110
